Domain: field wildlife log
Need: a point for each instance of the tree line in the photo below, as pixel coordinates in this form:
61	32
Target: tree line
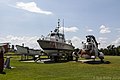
111	50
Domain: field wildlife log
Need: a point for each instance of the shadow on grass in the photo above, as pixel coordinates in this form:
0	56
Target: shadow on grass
3	73
53	62
97	62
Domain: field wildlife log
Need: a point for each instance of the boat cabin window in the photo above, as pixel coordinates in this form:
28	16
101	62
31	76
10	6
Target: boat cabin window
59	35
53	34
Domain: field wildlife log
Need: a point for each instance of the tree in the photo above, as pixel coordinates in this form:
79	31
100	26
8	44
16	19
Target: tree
111	50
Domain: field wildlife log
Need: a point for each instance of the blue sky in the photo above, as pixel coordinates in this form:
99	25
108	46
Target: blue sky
24	21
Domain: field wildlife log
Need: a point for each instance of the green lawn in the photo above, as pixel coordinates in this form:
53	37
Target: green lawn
63	71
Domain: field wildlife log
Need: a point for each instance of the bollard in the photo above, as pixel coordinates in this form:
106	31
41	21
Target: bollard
1	61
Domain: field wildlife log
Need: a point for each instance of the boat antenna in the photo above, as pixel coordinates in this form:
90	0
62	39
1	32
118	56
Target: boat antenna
63	31
63	26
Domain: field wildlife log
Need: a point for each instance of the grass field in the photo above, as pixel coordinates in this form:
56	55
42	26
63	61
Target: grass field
63	71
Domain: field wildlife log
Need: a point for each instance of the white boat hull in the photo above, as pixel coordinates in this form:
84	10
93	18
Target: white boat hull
51	47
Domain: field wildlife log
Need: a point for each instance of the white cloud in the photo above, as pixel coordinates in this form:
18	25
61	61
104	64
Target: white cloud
76	41
116	42
104	29
30	42
102	41
103	38
70	29
32	7
89	30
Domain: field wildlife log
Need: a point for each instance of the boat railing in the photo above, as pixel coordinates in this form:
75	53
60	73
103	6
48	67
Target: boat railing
42	37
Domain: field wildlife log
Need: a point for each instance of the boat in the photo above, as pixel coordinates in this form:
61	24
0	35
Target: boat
27	51
55	44
22	50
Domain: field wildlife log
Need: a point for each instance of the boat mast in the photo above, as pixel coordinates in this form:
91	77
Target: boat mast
63	32
63	26
58	24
